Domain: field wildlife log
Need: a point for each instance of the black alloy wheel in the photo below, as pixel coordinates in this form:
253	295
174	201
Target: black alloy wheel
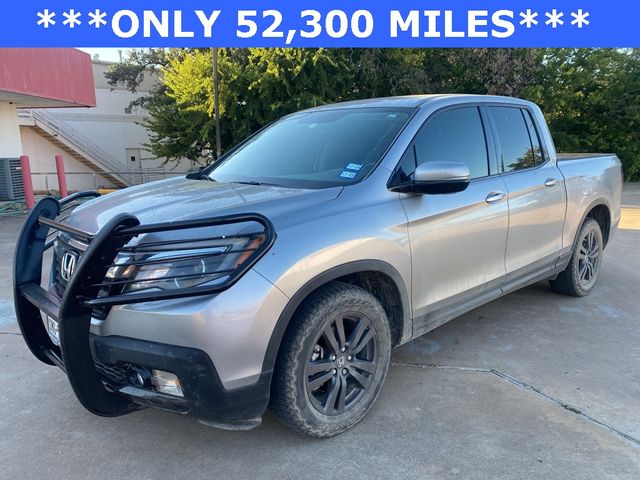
332	361
342	364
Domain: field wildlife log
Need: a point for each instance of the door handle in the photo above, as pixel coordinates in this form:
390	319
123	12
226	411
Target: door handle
550	182
494	197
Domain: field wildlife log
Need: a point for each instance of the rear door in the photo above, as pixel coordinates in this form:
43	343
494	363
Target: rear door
457	240
536	194
134	162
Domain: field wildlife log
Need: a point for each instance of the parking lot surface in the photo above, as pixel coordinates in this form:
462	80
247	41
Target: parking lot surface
533	385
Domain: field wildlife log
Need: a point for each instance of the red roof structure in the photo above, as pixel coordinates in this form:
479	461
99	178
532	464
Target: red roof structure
46	78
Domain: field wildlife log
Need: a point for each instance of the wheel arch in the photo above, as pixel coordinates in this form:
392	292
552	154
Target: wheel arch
376	276
601	213
565	281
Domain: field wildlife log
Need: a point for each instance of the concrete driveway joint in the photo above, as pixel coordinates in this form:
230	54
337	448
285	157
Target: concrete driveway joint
529	388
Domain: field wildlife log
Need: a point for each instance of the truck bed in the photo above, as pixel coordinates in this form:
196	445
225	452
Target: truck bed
581	156
588	177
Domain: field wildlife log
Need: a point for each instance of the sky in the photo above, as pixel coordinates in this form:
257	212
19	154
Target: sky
106	54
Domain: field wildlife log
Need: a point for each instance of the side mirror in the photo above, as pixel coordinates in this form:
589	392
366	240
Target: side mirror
437	177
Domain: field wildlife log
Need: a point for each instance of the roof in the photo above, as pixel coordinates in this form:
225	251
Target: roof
407	101
413	101
46	78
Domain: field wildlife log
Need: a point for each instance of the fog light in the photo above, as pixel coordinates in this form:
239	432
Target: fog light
139	376
166	382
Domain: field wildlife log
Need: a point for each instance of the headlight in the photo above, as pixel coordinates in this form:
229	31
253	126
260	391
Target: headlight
180	265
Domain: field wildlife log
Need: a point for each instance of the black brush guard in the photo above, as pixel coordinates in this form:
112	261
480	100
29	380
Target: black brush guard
83	292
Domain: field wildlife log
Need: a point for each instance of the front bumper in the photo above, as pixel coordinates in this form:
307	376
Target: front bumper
92	363
204	395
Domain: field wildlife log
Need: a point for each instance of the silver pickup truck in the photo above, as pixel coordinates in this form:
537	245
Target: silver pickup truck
282	275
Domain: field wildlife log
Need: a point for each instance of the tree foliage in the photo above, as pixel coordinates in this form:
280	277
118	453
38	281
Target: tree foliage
591	100
136	67
591	97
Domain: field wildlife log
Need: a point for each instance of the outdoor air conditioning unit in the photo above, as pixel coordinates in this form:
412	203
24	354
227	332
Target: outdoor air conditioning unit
11	185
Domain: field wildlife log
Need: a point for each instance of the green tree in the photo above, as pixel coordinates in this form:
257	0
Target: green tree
175	133
591	100
380	72
257	86
500	71
591	97
135	68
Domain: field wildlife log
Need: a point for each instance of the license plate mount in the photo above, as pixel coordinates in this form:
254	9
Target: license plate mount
53	329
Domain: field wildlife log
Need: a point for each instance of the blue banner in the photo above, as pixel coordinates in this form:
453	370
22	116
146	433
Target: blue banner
313	23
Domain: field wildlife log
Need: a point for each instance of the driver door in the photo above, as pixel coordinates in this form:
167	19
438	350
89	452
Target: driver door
458	240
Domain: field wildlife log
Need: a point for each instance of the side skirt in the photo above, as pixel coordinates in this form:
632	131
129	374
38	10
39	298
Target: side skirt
448	309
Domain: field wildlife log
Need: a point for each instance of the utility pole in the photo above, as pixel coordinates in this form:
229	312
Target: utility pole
216	102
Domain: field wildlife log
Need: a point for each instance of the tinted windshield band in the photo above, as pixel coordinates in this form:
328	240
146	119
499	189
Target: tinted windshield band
315	149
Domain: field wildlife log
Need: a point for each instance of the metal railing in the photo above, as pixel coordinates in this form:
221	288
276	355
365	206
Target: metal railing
81	143
137	177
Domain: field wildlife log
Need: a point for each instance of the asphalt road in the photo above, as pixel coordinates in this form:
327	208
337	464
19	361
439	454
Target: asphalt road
534	385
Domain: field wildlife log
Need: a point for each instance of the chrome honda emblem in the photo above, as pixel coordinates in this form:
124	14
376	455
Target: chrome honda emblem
340	362
68	265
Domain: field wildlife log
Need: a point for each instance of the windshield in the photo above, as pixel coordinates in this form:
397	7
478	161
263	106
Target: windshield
318	149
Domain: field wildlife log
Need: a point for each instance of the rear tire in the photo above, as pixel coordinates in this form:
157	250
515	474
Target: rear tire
581	274
333	361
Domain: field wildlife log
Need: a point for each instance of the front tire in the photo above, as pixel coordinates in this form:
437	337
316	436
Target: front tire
580	276
333	361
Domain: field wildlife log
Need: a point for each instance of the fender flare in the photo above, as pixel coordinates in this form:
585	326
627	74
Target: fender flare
565	258
333	273
596	203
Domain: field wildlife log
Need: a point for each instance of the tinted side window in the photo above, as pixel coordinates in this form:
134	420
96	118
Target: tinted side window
535	138
513	135
455	136
406	167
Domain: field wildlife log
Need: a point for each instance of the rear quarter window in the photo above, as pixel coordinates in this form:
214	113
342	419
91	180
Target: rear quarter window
517	150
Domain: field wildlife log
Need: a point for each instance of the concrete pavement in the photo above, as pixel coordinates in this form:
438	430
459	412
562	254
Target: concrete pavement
529	386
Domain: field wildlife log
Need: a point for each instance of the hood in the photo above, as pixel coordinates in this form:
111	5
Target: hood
181	199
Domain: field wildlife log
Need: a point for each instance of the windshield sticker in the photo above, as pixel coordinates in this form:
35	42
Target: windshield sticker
354	166
347	174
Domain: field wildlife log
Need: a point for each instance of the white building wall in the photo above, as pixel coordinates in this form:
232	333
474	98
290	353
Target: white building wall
111	125
110	128
10	145
42	154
